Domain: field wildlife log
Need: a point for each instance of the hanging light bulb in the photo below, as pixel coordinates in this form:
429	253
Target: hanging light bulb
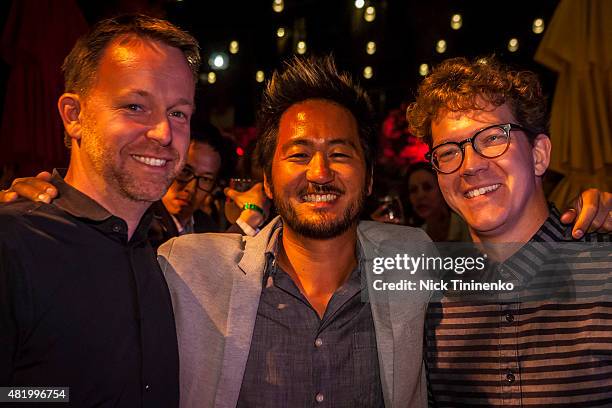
441	46
278	5
513	45
538	26
371	47
456	21
233	47
370	14
423	69
301	47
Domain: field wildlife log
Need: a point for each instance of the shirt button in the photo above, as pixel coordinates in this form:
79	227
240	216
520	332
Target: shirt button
116	228
509	317
319	397
147	387
318	342
510	377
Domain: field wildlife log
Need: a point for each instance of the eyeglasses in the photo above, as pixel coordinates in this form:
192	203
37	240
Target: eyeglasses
202	182
490	142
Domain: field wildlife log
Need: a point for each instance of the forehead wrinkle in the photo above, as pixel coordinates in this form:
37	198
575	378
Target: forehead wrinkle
312	141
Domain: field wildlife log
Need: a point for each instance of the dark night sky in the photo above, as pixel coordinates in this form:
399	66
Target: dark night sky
405	32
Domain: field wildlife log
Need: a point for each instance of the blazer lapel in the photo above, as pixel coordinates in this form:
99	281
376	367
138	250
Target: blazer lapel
244	302
381	313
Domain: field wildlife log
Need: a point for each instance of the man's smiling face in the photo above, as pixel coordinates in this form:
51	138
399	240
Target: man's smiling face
135	118
494	196
318	181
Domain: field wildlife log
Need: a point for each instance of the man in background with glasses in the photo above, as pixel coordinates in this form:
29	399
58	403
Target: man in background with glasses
487	128
176	213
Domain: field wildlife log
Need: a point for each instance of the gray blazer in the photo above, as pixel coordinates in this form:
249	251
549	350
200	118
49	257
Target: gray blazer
215	281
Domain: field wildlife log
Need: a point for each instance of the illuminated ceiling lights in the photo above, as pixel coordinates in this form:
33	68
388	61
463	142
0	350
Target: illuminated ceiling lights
370	14
301	47
212	77
218	61
260	76
233	47
456	21
368	72
513	45
538	26
441	47
278	5
359	4
280	33
423	69
371	47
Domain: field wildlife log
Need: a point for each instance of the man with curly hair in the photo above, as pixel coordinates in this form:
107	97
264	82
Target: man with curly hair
487	129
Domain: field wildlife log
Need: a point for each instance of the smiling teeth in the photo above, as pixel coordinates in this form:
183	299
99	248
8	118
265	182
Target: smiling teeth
150	161
482	190
319	198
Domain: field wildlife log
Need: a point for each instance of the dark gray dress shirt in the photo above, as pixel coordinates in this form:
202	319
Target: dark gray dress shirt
298	359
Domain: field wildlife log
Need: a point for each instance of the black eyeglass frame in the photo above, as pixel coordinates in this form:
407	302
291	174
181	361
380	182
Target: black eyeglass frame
507	127
194	176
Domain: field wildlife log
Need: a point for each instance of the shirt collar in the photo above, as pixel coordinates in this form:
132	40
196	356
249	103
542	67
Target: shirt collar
273	247
74	202
79	205
187	229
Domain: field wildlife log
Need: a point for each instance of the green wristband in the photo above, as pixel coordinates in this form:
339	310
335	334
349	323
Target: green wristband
255	207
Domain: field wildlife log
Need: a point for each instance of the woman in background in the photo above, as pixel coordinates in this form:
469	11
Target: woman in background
432	212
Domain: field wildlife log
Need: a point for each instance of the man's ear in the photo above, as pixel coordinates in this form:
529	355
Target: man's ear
69	106
541	154
267	188
371	181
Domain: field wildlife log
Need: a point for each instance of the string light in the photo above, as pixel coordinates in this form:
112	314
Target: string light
233	47
371	47
538	26
280	33
278	5
359	4
368	72
212	77
301	47
370	14
441	46
423	69
456	21
513	45
260	76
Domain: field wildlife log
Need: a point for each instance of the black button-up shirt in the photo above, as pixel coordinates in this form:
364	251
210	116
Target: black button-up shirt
298	359
83	307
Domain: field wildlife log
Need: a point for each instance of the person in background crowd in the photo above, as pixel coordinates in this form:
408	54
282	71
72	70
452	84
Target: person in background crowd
425	197
177	212
83	302
487	129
